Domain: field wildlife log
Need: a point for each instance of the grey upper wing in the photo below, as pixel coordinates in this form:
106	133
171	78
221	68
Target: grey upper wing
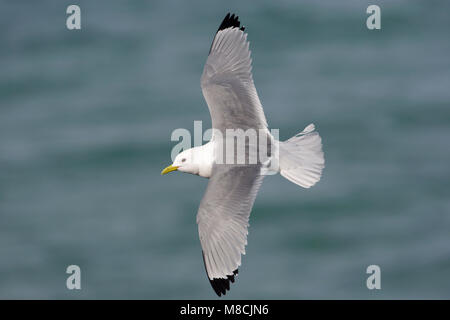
223	220
227	82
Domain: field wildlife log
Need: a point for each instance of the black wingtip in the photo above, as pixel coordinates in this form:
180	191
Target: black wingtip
221	286
230	21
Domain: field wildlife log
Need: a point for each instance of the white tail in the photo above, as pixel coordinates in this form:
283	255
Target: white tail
301	158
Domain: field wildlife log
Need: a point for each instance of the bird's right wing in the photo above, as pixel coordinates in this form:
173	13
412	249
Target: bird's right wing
222	220
227	82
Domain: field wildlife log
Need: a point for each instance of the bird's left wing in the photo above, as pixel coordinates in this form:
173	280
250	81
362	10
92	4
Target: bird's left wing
223	220
227	82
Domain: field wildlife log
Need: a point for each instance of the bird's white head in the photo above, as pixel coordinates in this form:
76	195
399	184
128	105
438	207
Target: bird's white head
184	162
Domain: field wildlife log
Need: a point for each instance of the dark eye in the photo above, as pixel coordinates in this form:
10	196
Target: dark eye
183	160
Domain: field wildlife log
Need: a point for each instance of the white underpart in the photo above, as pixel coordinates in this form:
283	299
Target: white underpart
204	157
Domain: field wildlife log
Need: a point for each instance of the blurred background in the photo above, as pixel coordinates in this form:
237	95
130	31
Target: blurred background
85	123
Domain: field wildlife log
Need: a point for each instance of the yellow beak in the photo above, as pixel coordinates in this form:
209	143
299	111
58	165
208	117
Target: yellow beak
169	169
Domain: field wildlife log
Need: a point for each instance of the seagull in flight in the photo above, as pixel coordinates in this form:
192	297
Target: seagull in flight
223	214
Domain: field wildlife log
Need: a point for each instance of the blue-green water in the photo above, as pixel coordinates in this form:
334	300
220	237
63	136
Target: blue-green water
85	124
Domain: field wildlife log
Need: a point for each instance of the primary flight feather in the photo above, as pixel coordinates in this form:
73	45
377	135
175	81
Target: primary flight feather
223	215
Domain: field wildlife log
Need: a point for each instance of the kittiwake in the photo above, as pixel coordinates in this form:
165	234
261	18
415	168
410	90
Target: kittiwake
223	215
